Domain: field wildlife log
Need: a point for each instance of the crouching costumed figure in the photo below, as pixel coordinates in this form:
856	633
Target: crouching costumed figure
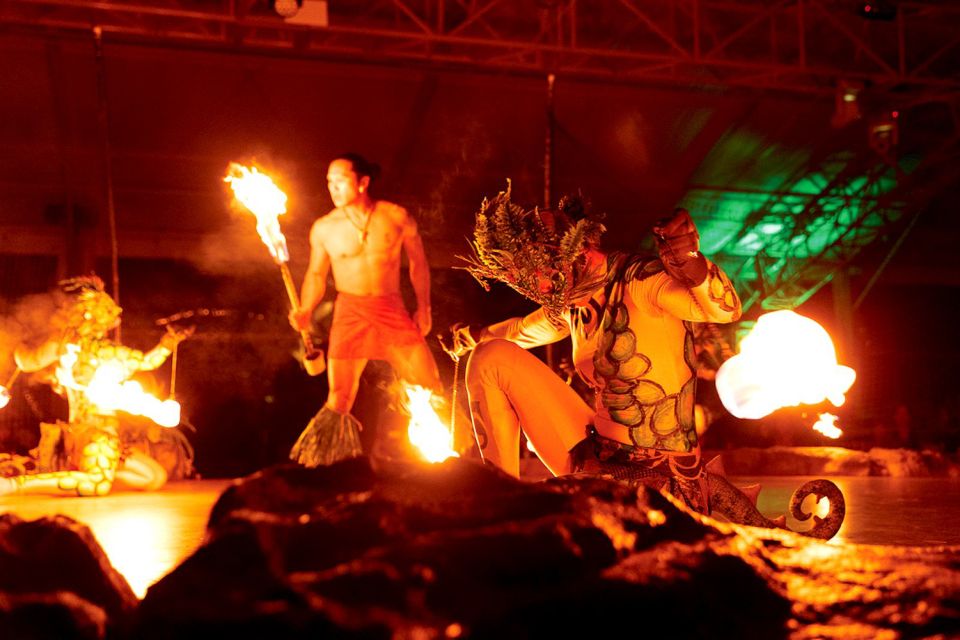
86	455
629	319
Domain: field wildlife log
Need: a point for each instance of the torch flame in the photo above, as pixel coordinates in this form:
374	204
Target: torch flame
4	396
827	425
426	431
257	192
787	360
110	391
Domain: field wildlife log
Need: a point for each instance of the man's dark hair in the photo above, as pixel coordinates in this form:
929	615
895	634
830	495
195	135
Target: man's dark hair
361	166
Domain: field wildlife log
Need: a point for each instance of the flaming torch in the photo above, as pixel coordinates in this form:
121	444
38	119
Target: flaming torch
5	389
257	192
426	431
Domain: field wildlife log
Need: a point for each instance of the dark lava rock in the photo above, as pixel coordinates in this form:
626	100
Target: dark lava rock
374	549
52	616
56	581
386	549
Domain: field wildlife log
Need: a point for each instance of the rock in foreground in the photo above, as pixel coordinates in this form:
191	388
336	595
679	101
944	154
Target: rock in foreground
391	550
56	582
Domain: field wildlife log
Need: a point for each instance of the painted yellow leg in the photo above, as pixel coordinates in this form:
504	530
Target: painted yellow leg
141	472
98	467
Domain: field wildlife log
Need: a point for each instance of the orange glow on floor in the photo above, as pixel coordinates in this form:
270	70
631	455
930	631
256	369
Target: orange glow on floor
144	534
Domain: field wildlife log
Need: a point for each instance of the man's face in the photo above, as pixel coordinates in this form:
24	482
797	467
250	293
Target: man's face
342	182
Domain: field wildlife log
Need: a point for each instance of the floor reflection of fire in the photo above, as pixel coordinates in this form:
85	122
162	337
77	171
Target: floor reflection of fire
145	535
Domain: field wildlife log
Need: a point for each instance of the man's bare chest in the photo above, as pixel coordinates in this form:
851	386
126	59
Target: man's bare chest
378	239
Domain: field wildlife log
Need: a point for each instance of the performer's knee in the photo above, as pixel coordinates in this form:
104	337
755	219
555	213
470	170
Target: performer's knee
489	356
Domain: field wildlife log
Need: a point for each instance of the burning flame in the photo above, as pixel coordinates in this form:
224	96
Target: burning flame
426	431
4	396
257	192
785	361
109	390
827	425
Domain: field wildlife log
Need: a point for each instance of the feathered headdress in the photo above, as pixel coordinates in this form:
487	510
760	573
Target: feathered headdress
93	310
537	253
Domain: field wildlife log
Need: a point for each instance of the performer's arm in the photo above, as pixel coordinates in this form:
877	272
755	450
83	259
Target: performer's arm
315	280
691	287
419	273
713	300
532	330
31	360
135	360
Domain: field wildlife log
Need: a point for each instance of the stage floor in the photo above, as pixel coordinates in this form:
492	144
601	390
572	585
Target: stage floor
146	535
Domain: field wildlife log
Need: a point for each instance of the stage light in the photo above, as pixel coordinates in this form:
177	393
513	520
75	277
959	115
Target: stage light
878	10
287	8
306	13
884	134
847	104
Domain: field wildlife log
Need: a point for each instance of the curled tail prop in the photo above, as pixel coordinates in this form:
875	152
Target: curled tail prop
827	526
736	504
737	507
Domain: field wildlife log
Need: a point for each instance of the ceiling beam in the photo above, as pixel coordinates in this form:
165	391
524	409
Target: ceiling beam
793	45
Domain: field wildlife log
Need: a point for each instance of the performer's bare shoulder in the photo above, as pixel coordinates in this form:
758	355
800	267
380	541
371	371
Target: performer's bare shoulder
327	222
399	217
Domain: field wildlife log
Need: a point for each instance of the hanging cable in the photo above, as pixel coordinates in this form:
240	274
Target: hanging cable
107	166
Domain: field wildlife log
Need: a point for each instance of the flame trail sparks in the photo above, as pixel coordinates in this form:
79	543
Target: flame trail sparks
257	192
426	430
827	425
109	390
787	360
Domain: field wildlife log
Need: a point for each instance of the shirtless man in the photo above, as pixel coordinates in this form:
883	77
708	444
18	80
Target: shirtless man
361	241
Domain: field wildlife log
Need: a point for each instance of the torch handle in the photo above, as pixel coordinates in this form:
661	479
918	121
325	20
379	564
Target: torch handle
13	378
311	351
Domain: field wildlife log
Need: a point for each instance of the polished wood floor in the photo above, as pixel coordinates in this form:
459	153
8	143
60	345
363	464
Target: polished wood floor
145	534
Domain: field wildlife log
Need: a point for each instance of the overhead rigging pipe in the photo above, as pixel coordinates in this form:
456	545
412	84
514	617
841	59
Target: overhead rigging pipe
548	144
